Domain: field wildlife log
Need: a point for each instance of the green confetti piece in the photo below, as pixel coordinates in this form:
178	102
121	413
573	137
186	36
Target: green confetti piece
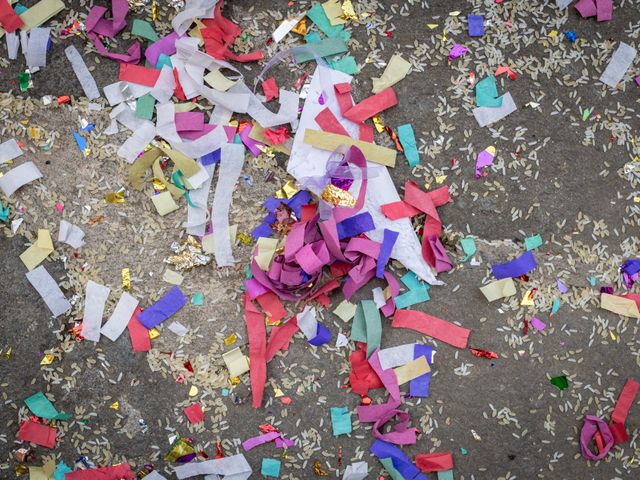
408	141
144	29
322	48
561	382
533	242
468	245
346	65
145	106
320	19
445	475
340	421
586	114
555	306
197	299
387	463
487	93
270	467
23	79
164	60
42	407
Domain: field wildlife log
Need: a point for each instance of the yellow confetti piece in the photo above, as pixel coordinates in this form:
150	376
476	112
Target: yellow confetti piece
277	392
126	279
636	199
271	323
230	340
432	25
244	239
289	189
154	333
377	122
234	381
527	299
115	406
441	179
337	196
154	10
553	33
613	335
193	391
47	359
7	354
348	12
233	123
158	185
301	27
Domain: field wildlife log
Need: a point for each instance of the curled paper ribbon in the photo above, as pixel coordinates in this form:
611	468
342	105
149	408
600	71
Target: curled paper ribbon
401	434
592	425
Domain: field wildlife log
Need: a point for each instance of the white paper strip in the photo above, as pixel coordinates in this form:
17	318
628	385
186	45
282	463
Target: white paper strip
488	115
562	4
127	117
234	467
356	471
155	476
82	72
378	297
36	54
113	93
49	290
120	317
285	27
396	356
136	143
198	215
95	299
620	62
307	322
288	112
231	161
165	85
70	234
192	9
13	44
9	150
177	328
220	115
307	161
19	176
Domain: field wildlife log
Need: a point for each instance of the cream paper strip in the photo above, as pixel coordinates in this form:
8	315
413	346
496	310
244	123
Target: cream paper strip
49	290
82	73
231	161
120	317
198	214
95	299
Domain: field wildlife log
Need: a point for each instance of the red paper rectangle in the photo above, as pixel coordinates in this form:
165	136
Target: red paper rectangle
371	106
434	462
366	133
308	211
344	87
257	334
9	19
139	334
625	401
328	122
432	326
280	338
272	306
344	102
396	210
194	413
37	433
138	74
270	88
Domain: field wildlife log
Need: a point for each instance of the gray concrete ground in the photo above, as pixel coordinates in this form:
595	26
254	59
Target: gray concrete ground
555	175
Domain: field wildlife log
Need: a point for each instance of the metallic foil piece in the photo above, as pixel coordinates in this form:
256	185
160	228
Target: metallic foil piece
115	406
188	254
338	197
47	359
317	469
179	448
287	191
7	354
97	219
158	186
154	333
230	340
301	27
285	218
115	197
377	122
394	137
348	12
244	239
154	10
126	279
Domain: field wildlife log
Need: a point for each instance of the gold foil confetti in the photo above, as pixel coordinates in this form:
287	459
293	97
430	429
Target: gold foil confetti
158	186
154	10
377	122
115	406
230	340
336	196
244	238
287	191
126	279
47	359
188	254
317	469
97	219
7	354
613	335
348	12
441	179
234	381
179	448
115	197
301	27
154	333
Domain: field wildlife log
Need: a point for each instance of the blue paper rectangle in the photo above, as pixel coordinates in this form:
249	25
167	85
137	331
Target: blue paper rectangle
419	387
352	226
476	25
521	265
388	241
164	308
